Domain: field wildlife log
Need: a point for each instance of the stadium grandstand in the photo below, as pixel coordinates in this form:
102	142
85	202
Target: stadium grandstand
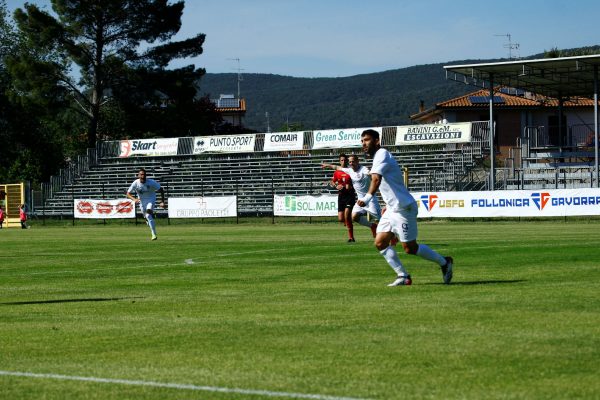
255	176
559	154
527	155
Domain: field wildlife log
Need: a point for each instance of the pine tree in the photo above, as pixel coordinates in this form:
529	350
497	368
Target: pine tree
91	50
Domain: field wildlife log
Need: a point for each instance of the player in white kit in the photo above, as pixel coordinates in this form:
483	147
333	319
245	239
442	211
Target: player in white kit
145	189
400	218
361	181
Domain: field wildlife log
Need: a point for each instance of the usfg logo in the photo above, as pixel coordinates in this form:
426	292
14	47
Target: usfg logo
540	199
430	201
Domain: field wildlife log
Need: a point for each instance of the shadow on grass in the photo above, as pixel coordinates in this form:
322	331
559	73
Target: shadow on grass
466	283
20	303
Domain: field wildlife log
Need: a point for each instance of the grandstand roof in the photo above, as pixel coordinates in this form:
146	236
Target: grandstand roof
551	77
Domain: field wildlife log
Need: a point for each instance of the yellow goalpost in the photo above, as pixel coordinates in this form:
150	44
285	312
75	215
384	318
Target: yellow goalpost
12	195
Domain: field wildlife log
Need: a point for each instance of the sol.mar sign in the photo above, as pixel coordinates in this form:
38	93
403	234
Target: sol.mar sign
305	206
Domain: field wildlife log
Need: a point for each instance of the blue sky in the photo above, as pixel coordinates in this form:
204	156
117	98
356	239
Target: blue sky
332	38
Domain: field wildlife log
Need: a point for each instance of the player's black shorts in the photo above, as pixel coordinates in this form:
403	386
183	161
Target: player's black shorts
346	200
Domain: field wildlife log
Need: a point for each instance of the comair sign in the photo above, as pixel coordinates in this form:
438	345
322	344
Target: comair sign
280	141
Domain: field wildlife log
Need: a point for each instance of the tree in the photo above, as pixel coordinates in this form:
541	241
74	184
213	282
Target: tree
555	52
32	138
112	43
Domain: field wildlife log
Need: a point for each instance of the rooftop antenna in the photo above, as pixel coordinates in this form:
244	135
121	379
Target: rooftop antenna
268	125
510	45
239	74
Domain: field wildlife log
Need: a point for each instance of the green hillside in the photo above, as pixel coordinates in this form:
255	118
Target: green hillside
378	99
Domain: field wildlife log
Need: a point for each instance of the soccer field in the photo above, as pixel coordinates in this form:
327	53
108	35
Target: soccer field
259	311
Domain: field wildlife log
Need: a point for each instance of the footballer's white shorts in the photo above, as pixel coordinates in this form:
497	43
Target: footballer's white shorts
146	206
372	208
402	223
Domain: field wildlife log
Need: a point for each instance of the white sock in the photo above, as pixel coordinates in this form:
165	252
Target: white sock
427	253
391	257
152	224
364	221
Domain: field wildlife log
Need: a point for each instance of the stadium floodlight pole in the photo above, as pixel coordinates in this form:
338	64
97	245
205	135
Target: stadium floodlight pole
492	153
596	126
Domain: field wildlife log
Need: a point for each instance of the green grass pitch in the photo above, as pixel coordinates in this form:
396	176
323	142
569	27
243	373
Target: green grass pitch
294	311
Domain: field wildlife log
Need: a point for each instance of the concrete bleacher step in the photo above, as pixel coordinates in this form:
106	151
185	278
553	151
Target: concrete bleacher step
254	176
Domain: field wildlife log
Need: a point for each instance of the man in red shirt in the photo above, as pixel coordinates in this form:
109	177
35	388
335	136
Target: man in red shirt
346	196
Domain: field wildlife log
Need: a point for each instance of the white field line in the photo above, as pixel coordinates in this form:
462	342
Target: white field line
178	386
189	261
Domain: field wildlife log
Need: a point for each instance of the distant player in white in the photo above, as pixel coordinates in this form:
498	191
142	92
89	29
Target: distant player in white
400	218
361	181
145	189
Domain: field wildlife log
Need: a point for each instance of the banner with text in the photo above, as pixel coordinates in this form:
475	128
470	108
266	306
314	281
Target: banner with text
433	134
202	207
103	209
284	141
148	147
224	144
339	138
510	203
305	206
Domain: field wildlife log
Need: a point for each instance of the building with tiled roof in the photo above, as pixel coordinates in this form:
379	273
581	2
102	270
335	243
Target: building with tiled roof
232	109
515	111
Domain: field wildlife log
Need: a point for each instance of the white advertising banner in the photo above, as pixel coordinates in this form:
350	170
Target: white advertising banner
339	138
224	144
202	207
284	141
305	206
103	209
149	147
510	203
433	134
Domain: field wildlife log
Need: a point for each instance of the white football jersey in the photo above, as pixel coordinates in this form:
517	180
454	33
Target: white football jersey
394	193
146	192
361	180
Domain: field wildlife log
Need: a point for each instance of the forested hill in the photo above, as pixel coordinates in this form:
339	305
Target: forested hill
378	99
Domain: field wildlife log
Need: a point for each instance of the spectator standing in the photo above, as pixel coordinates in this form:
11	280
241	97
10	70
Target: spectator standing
23	216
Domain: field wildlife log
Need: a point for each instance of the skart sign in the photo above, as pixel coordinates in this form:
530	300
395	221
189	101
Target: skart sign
148	147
